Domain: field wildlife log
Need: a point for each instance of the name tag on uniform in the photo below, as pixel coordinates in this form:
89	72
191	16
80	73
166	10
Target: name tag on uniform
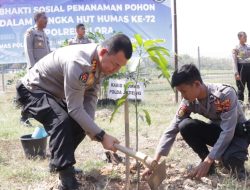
39	42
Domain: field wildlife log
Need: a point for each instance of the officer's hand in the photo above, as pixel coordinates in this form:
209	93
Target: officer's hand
109	141
202	169
146	174
237	77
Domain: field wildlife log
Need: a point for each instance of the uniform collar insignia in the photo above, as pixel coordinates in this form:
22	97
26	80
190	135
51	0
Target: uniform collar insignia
94	66
88	78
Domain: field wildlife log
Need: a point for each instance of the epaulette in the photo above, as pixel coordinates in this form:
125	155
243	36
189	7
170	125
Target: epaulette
226	85
29	31
219	93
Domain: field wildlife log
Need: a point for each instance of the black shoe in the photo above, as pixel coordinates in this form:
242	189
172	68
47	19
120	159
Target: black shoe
240	174
52	169
237	168
78	170
68	180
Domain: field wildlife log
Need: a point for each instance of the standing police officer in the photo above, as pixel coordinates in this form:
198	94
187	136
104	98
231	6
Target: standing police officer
80	37
36	46
217	102
60	91
241	58
36	42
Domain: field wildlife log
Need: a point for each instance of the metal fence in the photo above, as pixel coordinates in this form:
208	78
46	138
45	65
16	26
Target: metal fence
9	72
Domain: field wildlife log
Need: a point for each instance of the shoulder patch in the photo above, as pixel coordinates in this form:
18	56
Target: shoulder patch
84	77
182	111
222	106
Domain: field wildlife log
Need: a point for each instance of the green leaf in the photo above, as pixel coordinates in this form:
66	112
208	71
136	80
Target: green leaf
139	39
121	100
134	46
105	85
119	103
151	53
127	84
147	116
91	35
159	48
149	43
155	59
162	58
122	71
101	36
161	66
164	62
113	114
160	41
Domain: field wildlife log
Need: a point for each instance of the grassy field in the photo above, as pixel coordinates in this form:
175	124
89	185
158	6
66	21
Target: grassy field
17	172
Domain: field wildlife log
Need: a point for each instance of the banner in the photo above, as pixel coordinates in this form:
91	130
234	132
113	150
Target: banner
116	90
150	18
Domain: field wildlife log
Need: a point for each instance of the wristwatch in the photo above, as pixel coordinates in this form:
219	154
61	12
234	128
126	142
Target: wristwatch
99	136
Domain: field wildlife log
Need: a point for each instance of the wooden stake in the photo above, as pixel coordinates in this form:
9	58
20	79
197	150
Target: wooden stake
126	112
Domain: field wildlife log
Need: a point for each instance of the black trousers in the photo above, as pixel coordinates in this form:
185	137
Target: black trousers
244	70
65	133
199	134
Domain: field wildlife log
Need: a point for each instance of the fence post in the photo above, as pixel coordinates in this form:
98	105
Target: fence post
3	77
127	142
175	46
199	59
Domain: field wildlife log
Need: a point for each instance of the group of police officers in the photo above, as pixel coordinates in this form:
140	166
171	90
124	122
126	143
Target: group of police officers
60	91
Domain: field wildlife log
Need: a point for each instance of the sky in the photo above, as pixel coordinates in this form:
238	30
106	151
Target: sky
212	25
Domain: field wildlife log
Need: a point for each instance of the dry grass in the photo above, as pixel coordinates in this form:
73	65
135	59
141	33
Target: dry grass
16	172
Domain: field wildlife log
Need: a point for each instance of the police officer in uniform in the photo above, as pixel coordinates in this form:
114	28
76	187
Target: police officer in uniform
218	103
36	42
36	46
241	59
60	91
80	38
